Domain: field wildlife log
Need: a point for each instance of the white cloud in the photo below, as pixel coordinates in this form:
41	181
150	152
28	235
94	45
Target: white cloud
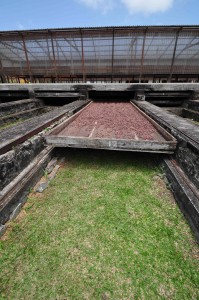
134	6
147	6
103	5
20	26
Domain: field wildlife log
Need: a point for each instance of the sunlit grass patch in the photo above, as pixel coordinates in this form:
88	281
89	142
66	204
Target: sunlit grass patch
106	228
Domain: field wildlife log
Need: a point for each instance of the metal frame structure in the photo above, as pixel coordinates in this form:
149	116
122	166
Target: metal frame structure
101	54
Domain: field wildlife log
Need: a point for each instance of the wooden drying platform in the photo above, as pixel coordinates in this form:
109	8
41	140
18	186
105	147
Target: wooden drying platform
112	126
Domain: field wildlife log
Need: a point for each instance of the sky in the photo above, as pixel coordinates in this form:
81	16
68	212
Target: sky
38	14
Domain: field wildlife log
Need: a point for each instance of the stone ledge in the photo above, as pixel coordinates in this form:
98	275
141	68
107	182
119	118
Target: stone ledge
185	193
12	136
187	135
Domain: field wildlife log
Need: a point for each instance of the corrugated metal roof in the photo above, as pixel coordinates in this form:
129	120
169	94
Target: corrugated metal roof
103	27
92	52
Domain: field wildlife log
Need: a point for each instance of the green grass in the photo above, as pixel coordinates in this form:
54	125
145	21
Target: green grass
106	228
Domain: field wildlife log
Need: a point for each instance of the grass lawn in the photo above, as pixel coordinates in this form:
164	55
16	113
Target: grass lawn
106	228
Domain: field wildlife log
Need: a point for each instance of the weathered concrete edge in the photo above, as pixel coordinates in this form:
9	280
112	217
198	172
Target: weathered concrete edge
37	124
187	150
19	102
100	87
111	144
184	196
16	160
168	121
20	189
23	115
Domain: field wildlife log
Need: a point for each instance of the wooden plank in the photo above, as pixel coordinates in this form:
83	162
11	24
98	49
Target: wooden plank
112	144
60	127
166	146
161	130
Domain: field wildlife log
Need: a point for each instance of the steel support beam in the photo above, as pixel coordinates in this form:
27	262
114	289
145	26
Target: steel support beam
131	55
142	59
47	53
27	59
83	61
13	52
187	47
54	58
10	48
61	50
174	55
73	46
166	49
112	58
196	54
2	74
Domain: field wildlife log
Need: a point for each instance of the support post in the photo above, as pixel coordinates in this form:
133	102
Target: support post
27	59
112	61
83	61
3	77
54	58
142	59
174	54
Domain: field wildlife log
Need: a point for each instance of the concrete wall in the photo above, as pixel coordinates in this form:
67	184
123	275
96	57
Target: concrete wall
14	161
102	87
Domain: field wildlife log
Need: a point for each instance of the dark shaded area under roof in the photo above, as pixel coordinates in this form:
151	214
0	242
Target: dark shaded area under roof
125	54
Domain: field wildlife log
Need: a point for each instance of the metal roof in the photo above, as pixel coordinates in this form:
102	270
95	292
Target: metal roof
101	52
